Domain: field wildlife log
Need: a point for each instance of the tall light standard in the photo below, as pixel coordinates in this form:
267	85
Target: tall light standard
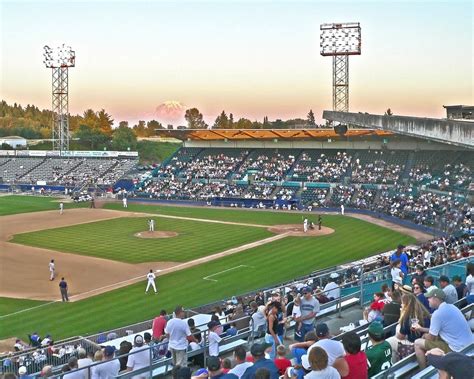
340	41
59	59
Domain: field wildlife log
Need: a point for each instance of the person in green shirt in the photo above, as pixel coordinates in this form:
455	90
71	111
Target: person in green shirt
379	355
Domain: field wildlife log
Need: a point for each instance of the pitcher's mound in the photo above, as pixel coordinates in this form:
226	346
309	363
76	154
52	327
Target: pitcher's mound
296	230
155	234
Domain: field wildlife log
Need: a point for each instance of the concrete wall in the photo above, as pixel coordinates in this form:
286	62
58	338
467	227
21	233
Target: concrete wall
454	132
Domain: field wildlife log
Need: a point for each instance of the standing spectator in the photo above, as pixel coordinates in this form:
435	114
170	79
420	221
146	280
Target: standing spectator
109	368
258	353
397	274
177	330
448	331
470	283
460	286
379	355
241	364
448	289
63	288
84	361
402	257
158	326
354	364
317	361
309	309
214	339
272	337
139	357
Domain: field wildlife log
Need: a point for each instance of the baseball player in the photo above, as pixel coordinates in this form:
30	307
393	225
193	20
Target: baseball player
151	281
124	202
51	270
342	209
61	208
305	225
151	225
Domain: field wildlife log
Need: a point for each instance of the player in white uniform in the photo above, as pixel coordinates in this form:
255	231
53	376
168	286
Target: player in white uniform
342	209
61	208
151	225
124	202
51	270
305	225
151	281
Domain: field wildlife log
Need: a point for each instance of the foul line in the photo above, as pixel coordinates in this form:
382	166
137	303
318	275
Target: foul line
220	272
29	309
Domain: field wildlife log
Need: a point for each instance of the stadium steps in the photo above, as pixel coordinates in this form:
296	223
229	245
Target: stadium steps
4	163
230	175
32	168
289	173
73	168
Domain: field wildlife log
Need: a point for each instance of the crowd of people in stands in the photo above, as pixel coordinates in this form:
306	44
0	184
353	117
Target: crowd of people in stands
322	168
267	167
377	171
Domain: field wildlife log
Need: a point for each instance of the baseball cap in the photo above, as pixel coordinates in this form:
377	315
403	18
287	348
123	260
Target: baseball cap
436	292
457	278
213	363
400	246
334	275
444	278
306	289
376	329
458	365
258	349
138	340
322	330
212	324
109	351
22	370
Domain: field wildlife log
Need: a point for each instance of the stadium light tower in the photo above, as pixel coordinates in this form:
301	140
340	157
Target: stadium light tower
59	60
340	41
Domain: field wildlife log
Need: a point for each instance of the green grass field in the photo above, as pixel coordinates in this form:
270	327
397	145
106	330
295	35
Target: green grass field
14	204
114	239
255	268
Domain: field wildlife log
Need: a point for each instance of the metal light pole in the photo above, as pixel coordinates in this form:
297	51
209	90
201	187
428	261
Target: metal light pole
340	41
59	60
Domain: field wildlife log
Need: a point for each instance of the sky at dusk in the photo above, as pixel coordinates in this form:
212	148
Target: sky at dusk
250	58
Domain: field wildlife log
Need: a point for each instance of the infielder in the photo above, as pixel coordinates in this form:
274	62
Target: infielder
124	202
342	209
305	225
51	270
151	281
61	208
151	225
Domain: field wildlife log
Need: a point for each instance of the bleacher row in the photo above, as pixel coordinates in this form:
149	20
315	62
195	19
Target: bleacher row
63	171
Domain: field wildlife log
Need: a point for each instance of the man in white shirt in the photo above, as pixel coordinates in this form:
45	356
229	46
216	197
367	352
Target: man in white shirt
51	269
214	339
334	349
108	368
241	364
83	361
179	335
332	289
448	289
139	357
151	281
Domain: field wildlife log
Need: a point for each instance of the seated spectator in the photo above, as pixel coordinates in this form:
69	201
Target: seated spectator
448	331
332	289
448	289
72	363
419	292
110	366
226	365
419	275
84	361
46	372
299	349
281	361
460	286
139	357
240	362
379	355
429	284
321	296
333	348
354	364
455	365
374	311
258	354
391	310
124	349
318	361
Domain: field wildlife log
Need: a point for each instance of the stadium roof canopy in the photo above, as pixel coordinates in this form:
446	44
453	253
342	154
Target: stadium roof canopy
267	134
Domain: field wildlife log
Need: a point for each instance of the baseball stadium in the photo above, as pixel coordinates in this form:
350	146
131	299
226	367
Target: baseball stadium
240	250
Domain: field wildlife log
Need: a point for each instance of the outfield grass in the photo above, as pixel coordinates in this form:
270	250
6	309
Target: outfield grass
263	266
114	239
14	204
8	306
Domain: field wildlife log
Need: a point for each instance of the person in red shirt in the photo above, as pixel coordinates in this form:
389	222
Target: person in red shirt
281	361
354	364
158	327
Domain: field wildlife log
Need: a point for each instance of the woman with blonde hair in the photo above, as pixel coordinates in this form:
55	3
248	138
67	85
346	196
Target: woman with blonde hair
412	312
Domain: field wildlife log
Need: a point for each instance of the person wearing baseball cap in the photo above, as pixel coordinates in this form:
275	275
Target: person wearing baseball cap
333	348
455	365
309	309
379	355
258	353
138	357
109	368
449	330
448	289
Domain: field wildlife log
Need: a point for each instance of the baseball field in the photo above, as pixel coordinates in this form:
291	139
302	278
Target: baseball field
208	254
